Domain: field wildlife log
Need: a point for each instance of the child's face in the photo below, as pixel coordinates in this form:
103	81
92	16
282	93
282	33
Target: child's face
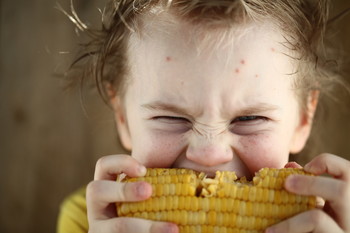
211	106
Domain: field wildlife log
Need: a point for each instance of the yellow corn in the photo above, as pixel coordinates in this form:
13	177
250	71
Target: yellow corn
223	204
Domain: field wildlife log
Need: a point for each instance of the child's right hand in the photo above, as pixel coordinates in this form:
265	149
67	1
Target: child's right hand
104	192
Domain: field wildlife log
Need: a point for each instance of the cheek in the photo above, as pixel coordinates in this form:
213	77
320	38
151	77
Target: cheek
260	151
158	150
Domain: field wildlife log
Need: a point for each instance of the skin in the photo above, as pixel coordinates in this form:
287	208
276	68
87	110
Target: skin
225	107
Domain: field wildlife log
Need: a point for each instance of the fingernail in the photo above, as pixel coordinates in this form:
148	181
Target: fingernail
142	170
307	167
291	183
170	228
310	168
141	189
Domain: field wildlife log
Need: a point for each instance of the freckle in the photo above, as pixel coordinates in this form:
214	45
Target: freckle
168	58
256	76
242	62
237	71
273	49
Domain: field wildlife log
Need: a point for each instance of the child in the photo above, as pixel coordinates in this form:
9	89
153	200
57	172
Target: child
211	85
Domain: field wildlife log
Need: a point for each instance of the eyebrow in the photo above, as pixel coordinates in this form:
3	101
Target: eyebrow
250	110
161	106
259	108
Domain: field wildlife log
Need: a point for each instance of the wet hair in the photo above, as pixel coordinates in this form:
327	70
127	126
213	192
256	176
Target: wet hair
303	24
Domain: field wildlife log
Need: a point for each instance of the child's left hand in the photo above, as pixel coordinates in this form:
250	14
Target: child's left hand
334	216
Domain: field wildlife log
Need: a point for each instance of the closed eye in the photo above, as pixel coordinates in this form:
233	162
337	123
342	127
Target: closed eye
248	118
170	119
172	124
247	125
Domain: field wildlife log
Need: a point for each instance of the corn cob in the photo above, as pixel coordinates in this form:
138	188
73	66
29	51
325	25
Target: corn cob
222	204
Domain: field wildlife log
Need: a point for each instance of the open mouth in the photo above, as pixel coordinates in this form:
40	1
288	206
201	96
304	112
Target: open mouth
209	174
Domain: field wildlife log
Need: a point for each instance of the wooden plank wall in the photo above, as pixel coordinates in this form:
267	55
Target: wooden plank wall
48	144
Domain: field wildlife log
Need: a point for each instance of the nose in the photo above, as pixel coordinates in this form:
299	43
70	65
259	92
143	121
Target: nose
209	151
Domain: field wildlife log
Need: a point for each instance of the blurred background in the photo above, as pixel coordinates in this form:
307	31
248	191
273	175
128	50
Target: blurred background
51	138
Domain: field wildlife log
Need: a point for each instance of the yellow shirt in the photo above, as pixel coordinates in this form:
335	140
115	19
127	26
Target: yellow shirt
73	216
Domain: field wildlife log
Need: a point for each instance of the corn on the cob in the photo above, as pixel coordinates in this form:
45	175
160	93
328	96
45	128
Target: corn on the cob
222	204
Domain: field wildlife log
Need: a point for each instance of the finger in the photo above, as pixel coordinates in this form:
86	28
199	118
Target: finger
100	194
315	221
330	164
108	167
324	187
335	192
133	225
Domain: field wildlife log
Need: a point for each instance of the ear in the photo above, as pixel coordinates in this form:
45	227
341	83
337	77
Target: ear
120	118
302	131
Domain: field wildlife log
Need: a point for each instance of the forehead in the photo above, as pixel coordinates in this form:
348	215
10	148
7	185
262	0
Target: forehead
171	56
163	36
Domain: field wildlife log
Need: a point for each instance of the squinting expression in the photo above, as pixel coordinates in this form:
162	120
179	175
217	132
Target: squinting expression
210	104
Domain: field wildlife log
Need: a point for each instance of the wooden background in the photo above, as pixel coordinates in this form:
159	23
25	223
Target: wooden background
48	144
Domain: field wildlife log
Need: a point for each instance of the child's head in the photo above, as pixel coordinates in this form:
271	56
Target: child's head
209	85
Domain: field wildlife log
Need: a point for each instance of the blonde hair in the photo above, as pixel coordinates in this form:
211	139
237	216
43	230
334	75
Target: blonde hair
302	22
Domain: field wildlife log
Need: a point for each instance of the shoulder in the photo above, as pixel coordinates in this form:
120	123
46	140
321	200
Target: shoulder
73	216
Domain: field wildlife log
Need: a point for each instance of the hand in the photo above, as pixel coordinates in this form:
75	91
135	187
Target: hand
104	192
334	217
